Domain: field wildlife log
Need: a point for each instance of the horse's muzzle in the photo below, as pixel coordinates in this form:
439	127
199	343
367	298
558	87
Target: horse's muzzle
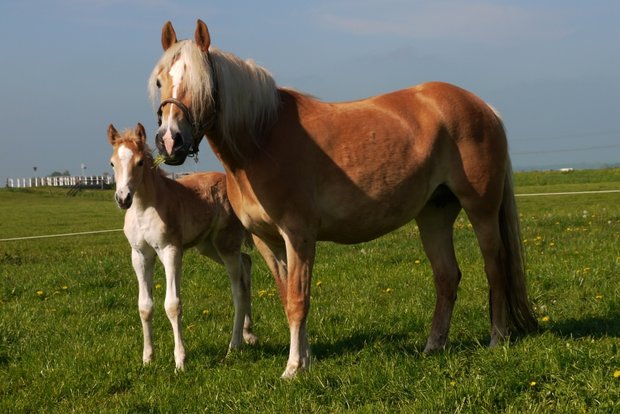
180	149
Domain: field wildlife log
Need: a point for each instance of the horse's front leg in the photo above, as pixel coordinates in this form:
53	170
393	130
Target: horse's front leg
171	257
275	257
300	257
142	261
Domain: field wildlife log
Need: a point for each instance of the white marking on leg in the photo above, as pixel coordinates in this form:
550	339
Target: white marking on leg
171	258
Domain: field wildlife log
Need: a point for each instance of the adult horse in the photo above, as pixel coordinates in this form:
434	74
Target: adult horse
301	170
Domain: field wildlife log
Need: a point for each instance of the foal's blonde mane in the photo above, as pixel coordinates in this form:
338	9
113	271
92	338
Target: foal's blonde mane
247	93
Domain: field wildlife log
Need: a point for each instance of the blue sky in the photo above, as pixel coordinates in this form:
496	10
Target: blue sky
552	68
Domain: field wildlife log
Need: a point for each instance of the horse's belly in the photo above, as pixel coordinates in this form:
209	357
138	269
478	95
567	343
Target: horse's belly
360	220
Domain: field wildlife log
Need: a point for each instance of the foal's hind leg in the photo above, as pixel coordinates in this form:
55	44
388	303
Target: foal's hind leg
238	267
248	334
436	229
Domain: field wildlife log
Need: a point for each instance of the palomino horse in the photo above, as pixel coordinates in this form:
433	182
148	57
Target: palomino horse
164	217
301	170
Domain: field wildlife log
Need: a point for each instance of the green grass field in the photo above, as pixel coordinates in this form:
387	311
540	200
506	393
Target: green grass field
70	334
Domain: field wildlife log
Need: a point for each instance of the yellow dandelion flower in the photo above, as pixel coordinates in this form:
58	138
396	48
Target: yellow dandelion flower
533	384
545	319
262	293
617	373
40	293
65	287
417	261
205	312
158	286
319	283
453	383
599	297
389	290
551	244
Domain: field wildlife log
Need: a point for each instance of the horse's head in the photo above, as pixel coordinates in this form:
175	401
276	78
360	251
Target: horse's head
128	159
185	79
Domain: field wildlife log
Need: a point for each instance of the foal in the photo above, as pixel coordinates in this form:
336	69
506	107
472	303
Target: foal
165	216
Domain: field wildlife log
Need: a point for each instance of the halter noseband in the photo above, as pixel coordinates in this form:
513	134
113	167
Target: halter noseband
198	128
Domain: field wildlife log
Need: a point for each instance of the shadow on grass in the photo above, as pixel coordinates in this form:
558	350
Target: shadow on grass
592	327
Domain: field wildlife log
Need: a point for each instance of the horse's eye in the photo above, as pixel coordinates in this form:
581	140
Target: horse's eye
158	83
112	164
140	163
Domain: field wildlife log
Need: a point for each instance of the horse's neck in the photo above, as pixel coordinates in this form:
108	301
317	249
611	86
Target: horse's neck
247	147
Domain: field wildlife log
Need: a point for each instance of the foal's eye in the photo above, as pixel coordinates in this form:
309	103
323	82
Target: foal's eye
140	163
112	164
158	83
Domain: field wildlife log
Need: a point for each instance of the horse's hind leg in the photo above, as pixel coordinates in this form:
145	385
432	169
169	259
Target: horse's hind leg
486	225
435	223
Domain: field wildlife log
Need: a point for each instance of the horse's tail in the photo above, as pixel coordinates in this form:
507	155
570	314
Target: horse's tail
520	311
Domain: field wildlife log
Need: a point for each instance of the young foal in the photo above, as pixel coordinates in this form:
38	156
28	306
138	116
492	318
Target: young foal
164	217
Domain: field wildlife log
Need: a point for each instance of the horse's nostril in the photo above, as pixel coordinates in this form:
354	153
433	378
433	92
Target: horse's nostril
178	140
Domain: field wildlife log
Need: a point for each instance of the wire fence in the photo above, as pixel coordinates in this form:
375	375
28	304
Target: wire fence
85	233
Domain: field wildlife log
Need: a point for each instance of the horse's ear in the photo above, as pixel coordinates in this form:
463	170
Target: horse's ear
201	36
168	36
112	134
140	132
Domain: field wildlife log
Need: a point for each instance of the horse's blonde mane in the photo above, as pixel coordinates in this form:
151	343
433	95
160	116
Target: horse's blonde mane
247	93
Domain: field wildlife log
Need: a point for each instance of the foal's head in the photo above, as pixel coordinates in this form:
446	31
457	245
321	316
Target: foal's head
129	160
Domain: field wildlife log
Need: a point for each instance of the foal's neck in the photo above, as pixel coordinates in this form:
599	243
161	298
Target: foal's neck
152	180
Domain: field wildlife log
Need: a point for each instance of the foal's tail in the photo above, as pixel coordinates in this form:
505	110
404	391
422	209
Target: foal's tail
520	311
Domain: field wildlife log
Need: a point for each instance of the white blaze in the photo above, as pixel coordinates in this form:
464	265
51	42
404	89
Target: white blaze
124	155
176	72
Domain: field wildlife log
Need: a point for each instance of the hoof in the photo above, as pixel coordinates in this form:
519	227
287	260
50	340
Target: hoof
250	338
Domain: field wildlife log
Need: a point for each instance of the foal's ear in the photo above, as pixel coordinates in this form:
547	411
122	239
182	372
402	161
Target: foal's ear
201	36
112	134
140	132
168	36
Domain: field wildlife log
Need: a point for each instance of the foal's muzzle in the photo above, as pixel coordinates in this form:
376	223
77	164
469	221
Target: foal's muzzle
123	200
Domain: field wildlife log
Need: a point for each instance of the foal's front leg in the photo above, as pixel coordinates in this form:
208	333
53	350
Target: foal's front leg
171	257
143	261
